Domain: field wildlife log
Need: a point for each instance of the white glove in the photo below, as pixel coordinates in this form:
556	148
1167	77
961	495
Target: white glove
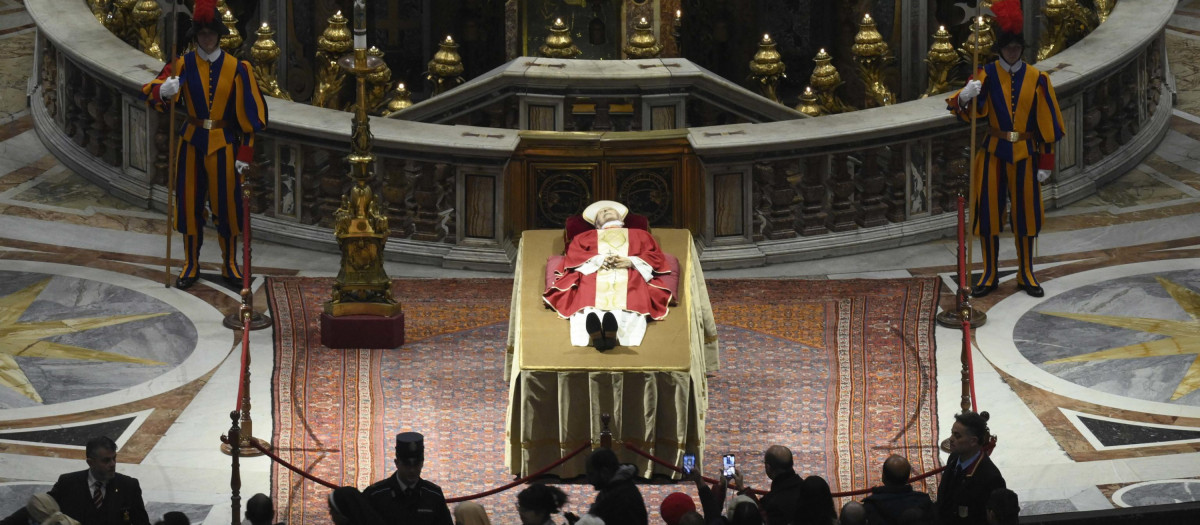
969	91
169	88
241	167
1043	175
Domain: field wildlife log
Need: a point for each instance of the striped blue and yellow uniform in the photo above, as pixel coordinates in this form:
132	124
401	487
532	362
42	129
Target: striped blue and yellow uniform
1005	171
224	91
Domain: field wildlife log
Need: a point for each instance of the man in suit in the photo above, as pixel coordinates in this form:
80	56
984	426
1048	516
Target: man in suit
887	504
98	495
405	498
970	476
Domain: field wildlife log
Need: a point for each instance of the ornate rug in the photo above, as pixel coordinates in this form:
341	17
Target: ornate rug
842	372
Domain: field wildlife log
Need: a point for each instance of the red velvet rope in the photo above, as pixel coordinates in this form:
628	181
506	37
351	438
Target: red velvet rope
503	488
759	492
290	466
525	479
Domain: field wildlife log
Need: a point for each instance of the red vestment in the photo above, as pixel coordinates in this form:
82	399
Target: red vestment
572	291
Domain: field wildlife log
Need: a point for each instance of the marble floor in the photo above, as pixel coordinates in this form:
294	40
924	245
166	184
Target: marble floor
1094	390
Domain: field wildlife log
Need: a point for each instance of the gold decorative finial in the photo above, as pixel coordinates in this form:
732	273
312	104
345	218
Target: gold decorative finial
941	60
979	41
808	103
378	79
446	68
263	54
334	42
558	42
401	100
825	80
642	44
232	42
767	68
146	14
1066	23
872	55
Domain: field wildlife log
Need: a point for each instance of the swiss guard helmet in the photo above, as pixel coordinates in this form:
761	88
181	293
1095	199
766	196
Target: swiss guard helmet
204	16
1011	22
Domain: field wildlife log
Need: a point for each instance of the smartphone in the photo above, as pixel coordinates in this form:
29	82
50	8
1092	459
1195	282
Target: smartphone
689	463
727	465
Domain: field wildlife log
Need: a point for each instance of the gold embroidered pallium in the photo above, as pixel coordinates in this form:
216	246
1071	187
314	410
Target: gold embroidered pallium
612	285
1184	336
26	339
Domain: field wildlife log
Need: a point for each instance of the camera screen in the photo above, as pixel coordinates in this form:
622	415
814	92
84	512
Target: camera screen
727	465
689	463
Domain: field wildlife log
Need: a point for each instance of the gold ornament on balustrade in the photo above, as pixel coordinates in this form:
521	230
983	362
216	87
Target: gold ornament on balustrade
808	103
941	60
558	42
873	56
263	55
145	15
378	80
231	43
120	20
642	44
981	41
334	42
1104	8
401	100
1066	23
767	68
825	81
446	68
99	9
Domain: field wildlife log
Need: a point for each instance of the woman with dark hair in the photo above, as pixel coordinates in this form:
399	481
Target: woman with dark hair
347	506
816	503
537	503
746	513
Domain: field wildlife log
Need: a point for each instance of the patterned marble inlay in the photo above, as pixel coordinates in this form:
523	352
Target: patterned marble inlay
1135	336
68	338
1158	493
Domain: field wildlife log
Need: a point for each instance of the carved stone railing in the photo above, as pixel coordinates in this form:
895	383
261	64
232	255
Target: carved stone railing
772	192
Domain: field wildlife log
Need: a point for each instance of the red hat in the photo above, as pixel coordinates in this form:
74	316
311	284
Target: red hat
674	506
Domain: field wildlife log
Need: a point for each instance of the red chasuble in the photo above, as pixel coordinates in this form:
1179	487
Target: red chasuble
616	289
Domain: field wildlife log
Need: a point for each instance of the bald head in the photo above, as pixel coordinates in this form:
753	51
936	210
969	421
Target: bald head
896	470
778	460
853	513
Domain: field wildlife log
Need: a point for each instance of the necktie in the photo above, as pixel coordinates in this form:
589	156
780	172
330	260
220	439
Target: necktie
98	494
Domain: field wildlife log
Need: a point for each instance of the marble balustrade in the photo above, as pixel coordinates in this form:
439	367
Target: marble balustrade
775	191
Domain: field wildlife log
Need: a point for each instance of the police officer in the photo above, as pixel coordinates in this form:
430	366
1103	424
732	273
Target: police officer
404	498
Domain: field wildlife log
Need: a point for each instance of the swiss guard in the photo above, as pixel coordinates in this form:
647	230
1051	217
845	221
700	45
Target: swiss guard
216	146
1024	124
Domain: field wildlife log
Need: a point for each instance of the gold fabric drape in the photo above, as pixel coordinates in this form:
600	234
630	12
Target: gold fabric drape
657	392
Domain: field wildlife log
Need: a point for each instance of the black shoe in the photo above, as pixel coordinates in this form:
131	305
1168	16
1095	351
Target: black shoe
610	327
981	290
233	282
594	330
1032	289
183	283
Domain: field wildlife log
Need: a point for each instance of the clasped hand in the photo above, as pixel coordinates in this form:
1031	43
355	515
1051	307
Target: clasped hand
613	262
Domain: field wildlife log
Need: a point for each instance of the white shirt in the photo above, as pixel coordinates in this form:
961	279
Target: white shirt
1011	68
92	484
216	54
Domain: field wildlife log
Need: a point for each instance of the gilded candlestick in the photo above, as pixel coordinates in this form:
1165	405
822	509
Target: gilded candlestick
825	80
145	16
446	68
642	44
232	42
558	43
767	68
809	104
401	100
981	41
263	55
332	44
872	55
941	60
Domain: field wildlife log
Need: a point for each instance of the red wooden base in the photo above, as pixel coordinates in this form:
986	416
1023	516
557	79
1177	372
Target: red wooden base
362	331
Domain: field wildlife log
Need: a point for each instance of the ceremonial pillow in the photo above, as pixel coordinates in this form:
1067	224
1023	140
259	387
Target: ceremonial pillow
670	280
575	225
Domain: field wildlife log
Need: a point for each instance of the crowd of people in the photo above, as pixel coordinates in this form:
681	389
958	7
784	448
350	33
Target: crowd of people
971	491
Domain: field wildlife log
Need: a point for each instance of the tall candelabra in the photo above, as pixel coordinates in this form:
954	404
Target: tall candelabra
361	228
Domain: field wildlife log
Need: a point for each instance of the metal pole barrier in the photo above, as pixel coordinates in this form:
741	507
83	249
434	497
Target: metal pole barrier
258	321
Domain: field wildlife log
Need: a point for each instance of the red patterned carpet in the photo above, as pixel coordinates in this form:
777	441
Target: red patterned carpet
840	371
